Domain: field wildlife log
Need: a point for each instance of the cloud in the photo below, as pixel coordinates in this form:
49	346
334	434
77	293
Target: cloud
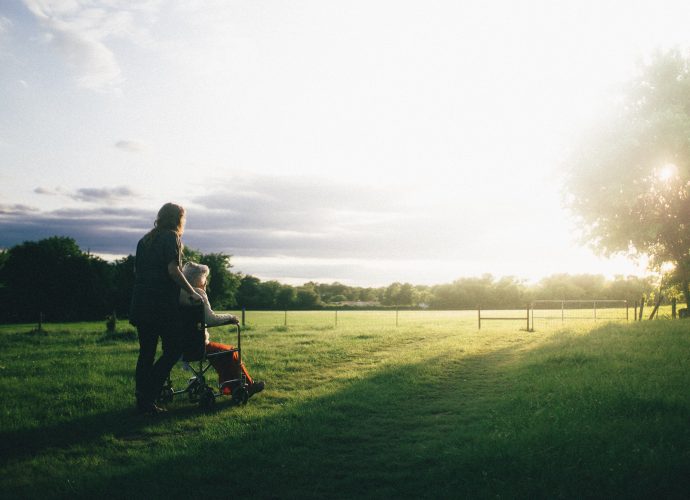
82	32
92	195
16	209
5	28
307	217
267	217
297	227
323	238
106	230
95	62
130	146
46	191
5	25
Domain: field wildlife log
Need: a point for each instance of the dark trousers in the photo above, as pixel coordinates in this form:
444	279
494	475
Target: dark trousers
151	376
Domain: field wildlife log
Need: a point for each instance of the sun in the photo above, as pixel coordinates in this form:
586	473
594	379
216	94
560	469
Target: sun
667	172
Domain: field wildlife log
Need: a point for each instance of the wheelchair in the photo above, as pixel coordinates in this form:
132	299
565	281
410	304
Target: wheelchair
198	390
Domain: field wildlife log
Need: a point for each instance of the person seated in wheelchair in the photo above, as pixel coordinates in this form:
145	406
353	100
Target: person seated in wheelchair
228	367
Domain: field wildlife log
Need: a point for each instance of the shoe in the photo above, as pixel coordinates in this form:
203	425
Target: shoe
255	388
149	409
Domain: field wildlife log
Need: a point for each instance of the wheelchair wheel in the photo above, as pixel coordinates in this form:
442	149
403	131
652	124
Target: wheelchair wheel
195	389
207	399
240	395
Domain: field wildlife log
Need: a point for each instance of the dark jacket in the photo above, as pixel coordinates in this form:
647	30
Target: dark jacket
155	296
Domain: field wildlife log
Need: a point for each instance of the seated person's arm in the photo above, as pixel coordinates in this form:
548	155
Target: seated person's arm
212	318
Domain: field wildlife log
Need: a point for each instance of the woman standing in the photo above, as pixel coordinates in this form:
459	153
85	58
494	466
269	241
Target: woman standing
154	310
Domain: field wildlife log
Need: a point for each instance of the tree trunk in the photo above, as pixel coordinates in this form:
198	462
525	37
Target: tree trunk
682	270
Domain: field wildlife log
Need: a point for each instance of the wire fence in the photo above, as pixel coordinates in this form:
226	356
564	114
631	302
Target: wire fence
549	311
539	315
348	317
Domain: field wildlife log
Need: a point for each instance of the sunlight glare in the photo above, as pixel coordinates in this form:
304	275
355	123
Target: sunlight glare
667	267
667	172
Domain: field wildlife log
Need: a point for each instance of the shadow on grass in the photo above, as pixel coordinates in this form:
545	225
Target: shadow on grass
88	430
510	423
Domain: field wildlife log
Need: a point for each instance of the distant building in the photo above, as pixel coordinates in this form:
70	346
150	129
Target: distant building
358	303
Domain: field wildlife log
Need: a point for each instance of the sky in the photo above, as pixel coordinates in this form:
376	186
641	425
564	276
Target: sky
364	142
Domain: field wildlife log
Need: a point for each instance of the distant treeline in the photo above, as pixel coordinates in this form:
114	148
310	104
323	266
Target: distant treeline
55	277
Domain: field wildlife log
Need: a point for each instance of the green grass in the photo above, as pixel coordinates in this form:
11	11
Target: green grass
432	408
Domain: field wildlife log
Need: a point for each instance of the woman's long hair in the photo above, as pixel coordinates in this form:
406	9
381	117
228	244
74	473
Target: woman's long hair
171	217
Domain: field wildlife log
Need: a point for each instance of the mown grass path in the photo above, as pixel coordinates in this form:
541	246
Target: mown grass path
364	410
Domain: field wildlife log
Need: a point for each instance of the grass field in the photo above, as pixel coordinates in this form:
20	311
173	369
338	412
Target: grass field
432	408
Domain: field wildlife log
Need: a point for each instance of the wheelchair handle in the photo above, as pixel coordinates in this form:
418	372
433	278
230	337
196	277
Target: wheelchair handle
239	347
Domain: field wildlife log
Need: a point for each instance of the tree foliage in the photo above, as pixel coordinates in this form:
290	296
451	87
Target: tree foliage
467	293
222	283
307	298
55	277
630	179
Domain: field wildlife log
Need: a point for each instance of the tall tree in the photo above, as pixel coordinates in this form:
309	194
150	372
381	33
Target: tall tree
248	292
123	283
630	180
268	294
307	297
54	277
223	283
407	296
391	295
286	297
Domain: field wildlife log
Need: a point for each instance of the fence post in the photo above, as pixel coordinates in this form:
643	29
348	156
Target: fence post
626	311
528	317
285	323
396	316
673	308
635	310
639	318
656	307
479	317
532	314
243	316
111	322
